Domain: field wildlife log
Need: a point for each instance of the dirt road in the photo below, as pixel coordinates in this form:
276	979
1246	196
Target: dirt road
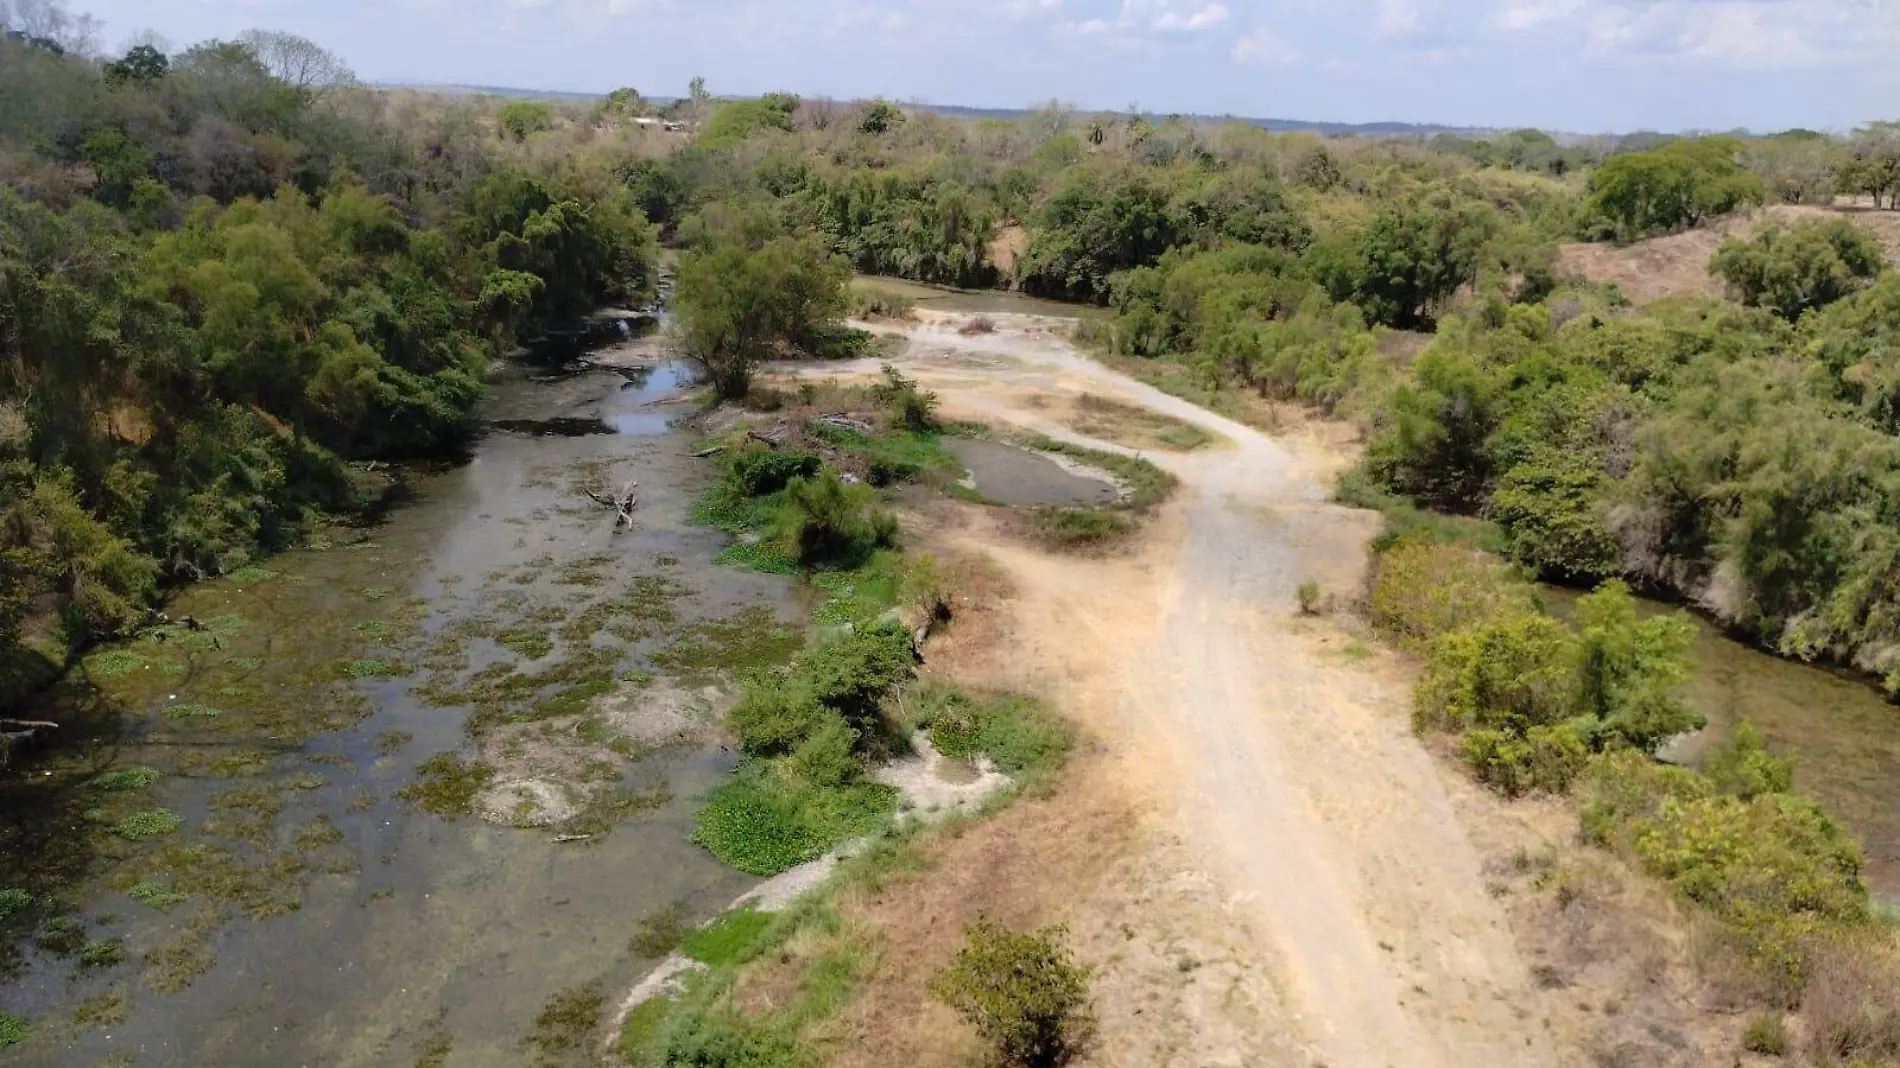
1283	772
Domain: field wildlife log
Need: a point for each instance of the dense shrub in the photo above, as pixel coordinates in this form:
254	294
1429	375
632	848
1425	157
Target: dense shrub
1773	868
761	471
1023	993
1792	271
1423	589
765	820
824	519
1668	188
1510	673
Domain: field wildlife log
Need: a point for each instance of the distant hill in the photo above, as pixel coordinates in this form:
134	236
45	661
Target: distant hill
1421	131
1330	129
493	90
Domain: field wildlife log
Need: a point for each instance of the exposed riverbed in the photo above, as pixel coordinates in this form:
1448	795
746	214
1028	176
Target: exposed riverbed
300	912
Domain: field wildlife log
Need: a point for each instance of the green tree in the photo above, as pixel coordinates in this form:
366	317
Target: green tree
140	66
1870	163
1792	271
1408	260
521	118
1629	669
738	306
880	117
1024	993
1669	188
1433	444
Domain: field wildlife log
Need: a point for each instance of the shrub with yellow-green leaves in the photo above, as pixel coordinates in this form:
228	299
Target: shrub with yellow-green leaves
1773	867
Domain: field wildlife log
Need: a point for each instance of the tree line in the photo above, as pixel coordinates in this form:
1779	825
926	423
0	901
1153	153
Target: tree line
227	271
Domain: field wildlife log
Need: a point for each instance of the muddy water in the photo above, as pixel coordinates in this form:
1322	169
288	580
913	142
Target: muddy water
318	918
1020	478
1846	734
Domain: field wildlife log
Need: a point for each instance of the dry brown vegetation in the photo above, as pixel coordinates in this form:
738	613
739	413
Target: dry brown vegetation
1647	271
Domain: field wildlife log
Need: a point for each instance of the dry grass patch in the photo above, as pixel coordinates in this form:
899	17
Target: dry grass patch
1134	426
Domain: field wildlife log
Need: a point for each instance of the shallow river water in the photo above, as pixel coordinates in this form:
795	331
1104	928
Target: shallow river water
1846	734
303	914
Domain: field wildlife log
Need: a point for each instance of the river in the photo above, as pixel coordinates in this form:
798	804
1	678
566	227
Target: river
1845	733
300	913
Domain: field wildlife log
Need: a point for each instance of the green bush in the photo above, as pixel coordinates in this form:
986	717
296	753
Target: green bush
761	471
1630	668
1547	759
1773	868
13	1030
1767	1034
1016	733
1309	594
910	408
1423	589
1024	993
824	520
773	717
763	822
1791	271
1512	673
1552	512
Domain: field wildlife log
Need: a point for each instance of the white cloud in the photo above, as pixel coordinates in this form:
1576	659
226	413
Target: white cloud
1742	34
1265	48
1211	15
1396	18
1528	14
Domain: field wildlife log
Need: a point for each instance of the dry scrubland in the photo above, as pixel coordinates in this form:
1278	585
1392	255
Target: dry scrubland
1295	804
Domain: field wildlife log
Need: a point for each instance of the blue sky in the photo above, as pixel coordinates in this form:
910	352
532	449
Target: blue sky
1582	65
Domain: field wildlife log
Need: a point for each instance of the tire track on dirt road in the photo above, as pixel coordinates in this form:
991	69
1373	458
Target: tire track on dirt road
1298	784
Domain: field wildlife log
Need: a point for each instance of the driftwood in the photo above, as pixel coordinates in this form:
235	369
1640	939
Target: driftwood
713	451
773	437
15	732
623	504
566	838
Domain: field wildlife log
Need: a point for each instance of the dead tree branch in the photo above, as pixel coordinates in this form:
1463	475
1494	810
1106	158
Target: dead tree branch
622	503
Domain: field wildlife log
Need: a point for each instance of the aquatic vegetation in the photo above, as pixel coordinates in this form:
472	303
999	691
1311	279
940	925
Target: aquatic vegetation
532	644
448	784
251	576
371	669
747	641
388	743
151	824
14	901
373	630
758	556
61	935
188	710
115	663
174	965
157	895
318	833
763	822
101	1010
13	1030
659	932
568	1020
103	953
